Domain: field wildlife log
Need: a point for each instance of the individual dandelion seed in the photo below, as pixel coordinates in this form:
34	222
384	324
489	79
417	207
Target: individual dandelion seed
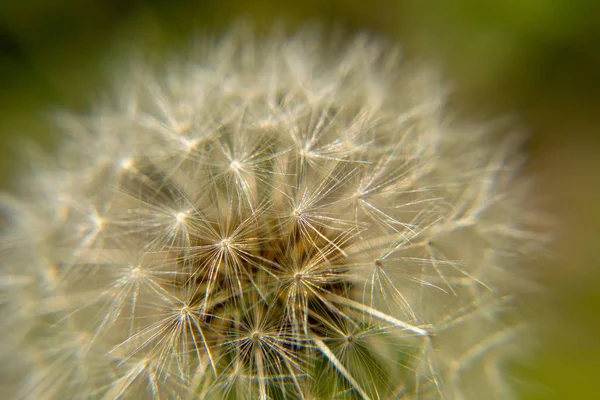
268	217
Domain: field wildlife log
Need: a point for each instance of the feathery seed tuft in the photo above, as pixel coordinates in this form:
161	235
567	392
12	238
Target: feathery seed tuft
278	217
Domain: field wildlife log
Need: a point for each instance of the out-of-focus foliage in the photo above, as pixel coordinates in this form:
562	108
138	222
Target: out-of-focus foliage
538	58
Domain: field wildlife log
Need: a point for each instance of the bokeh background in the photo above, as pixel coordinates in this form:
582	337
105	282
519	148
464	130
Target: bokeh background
536	59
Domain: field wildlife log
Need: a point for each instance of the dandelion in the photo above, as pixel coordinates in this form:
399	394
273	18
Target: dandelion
278	217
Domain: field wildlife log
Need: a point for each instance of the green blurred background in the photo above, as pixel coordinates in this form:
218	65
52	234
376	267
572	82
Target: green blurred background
538	59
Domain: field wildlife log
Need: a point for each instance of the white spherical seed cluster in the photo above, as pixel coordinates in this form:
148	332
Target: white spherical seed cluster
266	218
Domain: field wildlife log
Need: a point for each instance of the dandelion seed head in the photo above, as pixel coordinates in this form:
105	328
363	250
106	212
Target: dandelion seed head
235	165
135	272
180	216
268	217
